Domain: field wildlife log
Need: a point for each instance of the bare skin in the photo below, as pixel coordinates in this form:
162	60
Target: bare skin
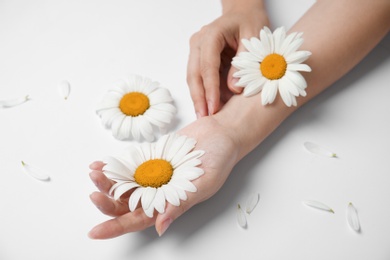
242	123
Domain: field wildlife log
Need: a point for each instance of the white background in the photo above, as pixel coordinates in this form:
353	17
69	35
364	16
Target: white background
92	44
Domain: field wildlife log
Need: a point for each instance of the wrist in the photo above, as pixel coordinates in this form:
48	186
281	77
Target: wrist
249	122
242	5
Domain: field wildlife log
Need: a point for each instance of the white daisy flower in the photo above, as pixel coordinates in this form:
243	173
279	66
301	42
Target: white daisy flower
272	63
134	107
155	172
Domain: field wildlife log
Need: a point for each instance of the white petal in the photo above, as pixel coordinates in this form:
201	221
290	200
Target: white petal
35	172
254	87
241	219
159	201
269	92
316	149
189	173
146	129
286	96
298	57
161	146
125	129
279	36
171	195
249	46
317	205
175	147
149	211
296	78
113	166
147	197
240	63
298	67
251	203
287	84
243	72
122	188
266	41
183	184
64	88
180	191
190	156
136	129
352	217
249	56
165	107
108	116
111	100
13	102
293	47
162	116
134	198
116	127
177	154
190	164
160	95
286	43
248	78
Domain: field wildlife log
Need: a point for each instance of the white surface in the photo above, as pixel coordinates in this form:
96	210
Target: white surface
93	43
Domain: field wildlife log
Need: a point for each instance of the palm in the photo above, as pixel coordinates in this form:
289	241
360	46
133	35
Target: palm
217	162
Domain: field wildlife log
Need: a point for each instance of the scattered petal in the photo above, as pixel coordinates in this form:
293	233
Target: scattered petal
252	202
13	102
318	205
316	149
241	217
352	217
35	172
64	89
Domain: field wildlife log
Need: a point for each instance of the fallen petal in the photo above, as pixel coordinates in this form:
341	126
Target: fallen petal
316	149
352	217
241	217
317	205
64	89
251	203
13	102
35	172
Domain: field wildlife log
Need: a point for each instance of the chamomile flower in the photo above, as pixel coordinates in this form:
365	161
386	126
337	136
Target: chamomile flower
272	63
134	107
155	172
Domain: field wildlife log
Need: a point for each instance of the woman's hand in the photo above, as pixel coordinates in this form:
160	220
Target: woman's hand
209	72
220	156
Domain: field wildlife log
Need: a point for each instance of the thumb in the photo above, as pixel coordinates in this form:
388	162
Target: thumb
163	221
231	81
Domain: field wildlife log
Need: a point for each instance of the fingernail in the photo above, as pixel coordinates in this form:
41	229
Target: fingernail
210	107
198	115
164	226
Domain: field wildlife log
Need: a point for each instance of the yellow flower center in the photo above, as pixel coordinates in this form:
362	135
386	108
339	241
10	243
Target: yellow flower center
273	66
134	104
153	173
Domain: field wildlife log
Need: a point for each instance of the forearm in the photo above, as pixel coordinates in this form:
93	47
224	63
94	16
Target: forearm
339	34
228	5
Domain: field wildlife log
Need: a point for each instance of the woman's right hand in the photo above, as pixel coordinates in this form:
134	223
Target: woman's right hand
209	70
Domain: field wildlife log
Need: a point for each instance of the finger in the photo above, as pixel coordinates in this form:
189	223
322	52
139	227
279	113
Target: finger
210	62
109	206
247	34
130	222
97	165
231	82
194	80
101	181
